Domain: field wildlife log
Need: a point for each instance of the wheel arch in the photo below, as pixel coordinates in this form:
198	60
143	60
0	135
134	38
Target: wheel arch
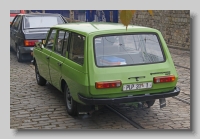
63	83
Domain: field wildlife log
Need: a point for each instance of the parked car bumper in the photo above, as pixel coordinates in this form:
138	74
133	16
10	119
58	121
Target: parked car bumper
24	50
26	53
137	98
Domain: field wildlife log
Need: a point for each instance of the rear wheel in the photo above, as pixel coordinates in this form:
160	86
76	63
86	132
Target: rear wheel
40	80
71	105
150	103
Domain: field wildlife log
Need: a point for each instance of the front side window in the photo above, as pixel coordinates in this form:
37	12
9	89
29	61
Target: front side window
130	49
59	42
50	41
41	21
76	52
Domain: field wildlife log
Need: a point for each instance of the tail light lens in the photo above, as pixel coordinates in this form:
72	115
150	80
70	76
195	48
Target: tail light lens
108	84
30	42
22	11
164	79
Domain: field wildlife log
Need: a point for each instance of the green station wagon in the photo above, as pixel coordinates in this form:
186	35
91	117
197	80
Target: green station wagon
103	63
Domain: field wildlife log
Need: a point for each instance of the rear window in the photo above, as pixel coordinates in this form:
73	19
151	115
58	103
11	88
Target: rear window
42	21
130	49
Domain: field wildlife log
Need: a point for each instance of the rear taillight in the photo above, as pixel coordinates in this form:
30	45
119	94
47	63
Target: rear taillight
22	11
108	84
30	42
164	79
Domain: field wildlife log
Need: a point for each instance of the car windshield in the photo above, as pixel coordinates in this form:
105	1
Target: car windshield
42	21
130	49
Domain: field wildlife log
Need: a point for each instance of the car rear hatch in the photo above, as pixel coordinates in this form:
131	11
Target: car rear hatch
36	26
131	65
36	33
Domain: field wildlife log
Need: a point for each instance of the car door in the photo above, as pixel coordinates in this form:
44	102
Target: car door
57	57
74	68
42	55
14	31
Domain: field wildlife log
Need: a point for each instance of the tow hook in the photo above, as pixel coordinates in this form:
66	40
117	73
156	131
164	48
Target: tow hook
162	102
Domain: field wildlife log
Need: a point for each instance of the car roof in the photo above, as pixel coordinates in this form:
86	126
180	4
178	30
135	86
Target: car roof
91	27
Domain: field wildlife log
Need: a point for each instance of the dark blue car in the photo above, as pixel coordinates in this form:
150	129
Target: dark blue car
26	29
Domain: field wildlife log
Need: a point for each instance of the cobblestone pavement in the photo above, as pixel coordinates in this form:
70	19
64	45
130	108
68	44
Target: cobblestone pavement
42	107
182	58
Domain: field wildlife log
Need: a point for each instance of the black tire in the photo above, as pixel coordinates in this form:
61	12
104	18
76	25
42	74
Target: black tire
150	103
40	80
19	55
71	105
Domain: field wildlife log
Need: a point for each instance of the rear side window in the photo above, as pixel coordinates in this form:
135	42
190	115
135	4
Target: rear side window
76	52
130	49
65	44
16	22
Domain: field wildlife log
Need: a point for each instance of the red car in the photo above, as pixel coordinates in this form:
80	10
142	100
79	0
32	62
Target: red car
13	13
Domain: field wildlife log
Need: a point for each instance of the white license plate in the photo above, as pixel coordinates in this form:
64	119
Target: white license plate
137	86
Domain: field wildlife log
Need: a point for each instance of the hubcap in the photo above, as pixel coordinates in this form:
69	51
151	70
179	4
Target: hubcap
68	99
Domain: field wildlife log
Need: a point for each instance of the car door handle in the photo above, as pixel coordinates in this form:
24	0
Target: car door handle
59	64
47	57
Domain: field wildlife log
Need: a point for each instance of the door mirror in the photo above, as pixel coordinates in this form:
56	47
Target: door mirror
39	44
